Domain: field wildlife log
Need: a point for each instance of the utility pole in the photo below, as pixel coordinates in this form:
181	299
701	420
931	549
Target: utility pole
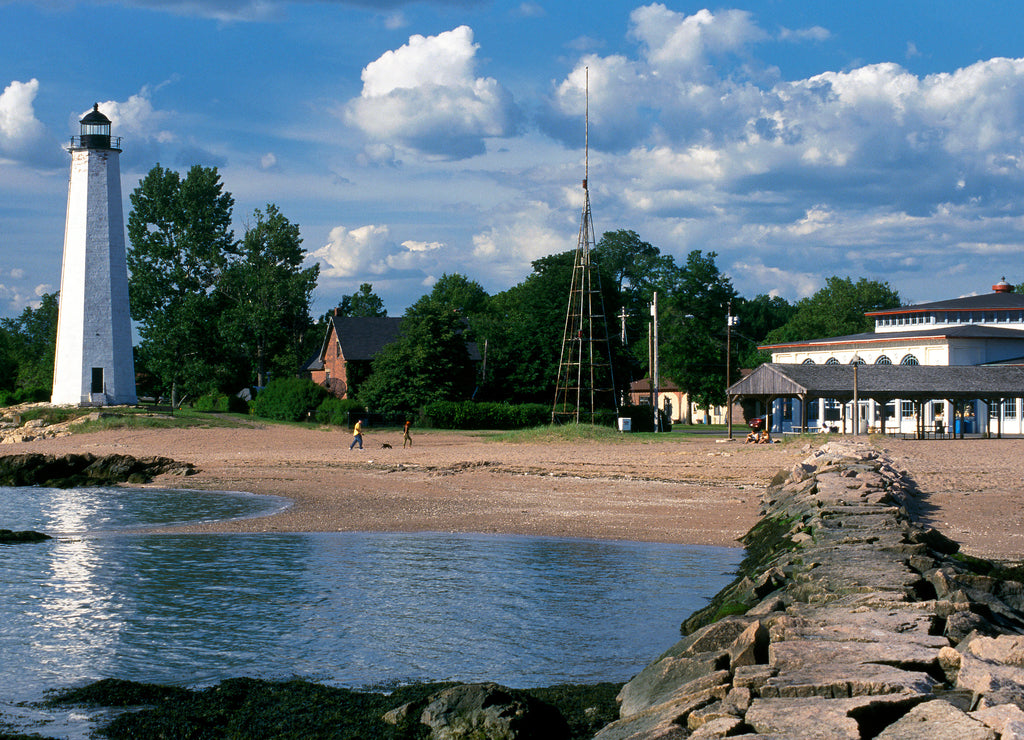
729	321
655	375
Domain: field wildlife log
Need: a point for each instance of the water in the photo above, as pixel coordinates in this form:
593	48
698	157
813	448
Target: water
347	609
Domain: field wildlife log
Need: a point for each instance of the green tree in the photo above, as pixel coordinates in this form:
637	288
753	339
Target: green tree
756	318
638	270
362	303
180	242
428	362
27	347
836	310
693	330
458	294
266	296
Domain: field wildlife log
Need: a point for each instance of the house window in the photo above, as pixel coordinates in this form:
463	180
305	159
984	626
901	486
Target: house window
883	360
909	360
907	409
787	409
890	409
833	411
1010	408
993	410
831	361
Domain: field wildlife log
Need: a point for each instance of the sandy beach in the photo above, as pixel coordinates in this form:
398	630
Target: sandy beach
676	489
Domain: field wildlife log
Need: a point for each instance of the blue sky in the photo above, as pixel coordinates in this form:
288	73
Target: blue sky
798	140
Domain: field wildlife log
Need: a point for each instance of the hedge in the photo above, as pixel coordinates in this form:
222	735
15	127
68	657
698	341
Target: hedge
221	402
336	411
473	415
289	399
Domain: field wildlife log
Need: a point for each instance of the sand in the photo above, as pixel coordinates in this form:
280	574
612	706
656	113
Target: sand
676	489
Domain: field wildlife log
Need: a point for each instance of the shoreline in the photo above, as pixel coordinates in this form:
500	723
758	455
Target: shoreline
695	490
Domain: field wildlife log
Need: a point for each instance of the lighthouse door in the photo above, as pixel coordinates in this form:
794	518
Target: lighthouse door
97	380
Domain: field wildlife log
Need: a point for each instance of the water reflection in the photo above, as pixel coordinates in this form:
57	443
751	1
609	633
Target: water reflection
342	608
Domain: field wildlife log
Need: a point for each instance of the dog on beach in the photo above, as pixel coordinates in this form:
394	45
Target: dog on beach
385	446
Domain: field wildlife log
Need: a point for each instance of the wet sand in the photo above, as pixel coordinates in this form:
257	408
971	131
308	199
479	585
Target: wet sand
676	489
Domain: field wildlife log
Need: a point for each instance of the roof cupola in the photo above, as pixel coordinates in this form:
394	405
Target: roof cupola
1002	287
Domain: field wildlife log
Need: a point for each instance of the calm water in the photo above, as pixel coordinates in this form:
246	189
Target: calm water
348	609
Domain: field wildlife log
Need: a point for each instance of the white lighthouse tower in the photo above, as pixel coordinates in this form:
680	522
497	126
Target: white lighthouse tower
94	364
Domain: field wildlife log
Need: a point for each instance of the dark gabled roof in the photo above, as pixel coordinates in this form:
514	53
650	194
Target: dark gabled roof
958	331
883	382
363	337
995	301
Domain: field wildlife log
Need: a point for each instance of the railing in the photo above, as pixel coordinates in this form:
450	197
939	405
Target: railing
89	141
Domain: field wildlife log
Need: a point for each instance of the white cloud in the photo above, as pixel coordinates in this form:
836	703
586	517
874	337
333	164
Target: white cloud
135	117
425	97
19	126
357	251
675	42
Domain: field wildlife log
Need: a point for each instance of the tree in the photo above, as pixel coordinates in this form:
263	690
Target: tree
638	270
27	347
362	303
428	362
757	317
180	236
456	293
266	297
693	345
836	310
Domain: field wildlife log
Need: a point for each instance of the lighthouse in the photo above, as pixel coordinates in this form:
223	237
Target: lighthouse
94	364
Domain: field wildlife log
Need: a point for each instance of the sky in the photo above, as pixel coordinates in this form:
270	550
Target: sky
796	140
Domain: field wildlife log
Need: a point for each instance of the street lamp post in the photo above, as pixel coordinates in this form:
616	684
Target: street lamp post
856	400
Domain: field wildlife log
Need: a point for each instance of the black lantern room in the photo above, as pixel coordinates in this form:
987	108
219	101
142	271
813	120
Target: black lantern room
95	131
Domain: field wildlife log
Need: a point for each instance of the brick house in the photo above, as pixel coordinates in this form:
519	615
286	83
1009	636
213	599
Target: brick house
348	349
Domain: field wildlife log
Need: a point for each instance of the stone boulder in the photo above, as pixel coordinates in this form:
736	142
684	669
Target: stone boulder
485	710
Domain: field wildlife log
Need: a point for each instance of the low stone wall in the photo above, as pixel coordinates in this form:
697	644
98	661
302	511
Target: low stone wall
848	621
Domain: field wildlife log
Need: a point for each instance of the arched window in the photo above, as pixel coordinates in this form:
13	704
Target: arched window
831	361
909	360
883	360
808	361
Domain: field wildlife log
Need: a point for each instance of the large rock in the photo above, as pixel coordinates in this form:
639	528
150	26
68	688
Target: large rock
477	711
936	720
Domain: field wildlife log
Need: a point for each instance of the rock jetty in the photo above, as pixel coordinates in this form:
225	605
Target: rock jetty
848	621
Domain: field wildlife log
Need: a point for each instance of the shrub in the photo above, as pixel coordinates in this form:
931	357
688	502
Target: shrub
336	411
288	399
472	415
221	402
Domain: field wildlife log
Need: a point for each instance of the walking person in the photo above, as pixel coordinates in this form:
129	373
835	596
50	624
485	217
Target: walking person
357	435
406	438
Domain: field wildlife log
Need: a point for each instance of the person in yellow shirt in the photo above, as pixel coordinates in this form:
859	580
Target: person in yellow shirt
357	435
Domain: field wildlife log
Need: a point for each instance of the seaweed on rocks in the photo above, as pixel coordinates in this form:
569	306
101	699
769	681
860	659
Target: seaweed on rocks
68	471
247	708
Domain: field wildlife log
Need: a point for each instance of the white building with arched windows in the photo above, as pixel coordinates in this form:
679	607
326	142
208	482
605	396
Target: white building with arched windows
976	330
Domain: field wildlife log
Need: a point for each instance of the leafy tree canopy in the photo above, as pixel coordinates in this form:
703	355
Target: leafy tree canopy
266	296
362	303
27	346
836	310
693	346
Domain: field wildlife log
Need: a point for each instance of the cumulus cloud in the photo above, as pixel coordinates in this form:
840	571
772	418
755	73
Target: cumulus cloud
371	250
425	97
20	130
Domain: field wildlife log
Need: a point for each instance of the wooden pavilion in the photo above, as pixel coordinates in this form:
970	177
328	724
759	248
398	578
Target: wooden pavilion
956	384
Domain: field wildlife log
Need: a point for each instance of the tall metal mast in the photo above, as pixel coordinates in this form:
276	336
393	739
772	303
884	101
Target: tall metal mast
586	382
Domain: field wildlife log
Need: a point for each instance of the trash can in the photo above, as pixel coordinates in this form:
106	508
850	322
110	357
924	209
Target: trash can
625	425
